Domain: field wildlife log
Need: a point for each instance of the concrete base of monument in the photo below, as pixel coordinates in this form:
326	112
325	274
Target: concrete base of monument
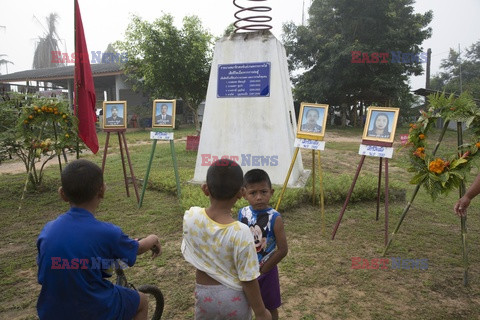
249	114
302	179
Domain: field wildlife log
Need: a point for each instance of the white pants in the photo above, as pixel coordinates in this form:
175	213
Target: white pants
219	302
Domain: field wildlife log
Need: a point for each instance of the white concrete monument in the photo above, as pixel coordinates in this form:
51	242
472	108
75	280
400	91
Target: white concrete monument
249	115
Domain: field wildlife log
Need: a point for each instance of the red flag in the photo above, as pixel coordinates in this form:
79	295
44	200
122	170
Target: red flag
85	99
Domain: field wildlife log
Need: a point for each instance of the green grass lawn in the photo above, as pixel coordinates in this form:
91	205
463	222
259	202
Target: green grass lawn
317	279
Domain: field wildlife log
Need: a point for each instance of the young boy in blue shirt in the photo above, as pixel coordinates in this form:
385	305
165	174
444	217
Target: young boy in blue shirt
75	250
268	231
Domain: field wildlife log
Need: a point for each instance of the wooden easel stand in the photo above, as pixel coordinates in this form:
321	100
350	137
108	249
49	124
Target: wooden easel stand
175	167
122	142
350	191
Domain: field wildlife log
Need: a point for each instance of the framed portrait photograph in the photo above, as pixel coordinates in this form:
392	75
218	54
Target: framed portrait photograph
380	124
163	114
312	121
114	114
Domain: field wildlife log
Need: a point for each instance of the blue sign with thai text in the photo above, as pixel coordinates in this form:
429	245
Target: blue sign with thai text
240	80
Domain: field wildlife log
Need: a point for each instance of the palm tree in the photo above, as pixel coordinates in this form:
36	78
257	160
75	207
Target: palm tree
46	44
4	62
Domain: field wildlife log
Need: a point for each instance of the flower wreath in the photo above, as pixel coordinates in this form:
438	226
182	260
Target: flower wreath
441	175
48	126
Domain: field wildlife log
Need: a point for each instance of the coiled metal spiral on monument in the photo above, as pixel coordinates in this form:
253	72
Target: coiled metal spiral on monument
248	18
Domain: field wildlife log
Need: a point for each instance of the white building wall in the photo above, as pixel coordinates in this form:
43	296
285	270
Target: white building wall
119	85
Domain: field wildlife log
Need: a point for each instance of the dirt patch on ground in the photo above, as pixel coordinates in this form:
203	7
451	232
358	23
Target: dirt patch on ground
331	136
11	248
12	166
325	296
16	165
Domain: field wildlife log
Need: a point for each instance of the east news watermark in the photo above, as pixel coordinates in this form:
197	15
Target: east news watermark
96	57
244	159
393	263
59	263
388	57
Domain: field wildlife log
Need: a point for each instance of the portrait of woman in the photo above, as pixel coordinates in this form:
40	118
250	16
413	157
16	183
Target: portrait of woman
380	124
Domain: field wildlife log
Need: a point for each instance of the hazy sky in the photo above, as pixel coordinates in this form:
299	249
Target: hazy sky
455	23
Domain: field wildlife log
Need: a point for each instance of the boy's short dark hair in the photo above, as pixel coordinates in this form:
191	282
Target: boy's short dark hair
256	176
81	181
224	179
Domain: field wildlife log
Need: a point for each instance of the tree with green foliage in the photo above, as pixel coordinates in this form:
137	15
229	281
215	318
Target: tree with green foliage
460	70
10	110
167	62
341	32
42	57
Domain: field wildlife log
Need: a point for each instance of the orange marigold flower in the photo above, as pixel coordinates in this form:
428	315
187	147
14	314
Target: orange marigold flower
437	166
420	152
477	144
421	136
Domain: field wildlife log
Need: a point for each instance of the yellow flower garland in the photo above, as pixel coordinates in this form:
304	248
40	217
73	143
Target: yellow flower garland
436	174
42	120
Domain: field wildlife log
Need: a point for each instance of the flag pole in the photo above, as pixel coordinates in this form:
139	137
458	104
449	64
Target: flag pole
84	90
75	87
